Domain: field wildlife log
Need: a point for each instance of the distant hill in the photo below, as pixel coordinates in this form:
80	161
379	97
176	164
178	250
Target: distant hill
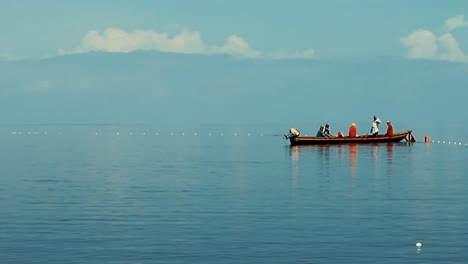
152	87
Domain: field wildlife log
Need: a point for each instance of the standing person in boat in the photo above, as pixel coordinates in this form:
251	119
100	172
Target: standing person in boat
320	132
375	127
326	132
389	129
352	131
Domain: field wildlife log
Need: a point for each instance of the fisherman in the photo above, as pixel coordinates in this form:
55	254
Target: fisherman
375	127
320	133
389	129
352	131
326	132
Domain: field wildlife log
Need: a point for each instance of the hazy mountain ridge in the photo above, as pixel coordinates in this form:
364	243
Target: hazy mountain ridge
152	86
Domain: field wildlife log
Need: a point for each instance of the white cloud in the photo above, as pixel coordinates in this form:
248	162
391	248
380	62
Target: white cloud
450	49
456	22
237	46
189	42
116	40
424	44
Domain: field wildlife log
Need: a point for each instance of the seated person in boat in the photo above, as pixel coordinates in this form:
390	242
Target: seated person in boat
320	133
352	131
389	129
326	131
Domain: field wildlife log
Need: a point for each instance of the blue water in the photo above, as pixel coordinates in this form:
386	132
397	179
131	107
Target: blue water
227	194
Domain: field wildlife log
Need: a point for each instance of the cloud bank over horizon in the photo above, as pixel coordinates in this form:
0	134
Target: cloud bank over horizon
425	44
186	42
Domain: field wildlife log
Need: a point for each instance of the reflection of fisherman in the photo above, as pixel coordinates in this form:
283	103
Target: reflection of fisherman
352	158
375	126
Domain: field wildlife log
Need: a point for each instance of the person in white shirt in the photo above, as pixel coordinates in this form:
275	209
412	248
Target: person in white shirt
375	127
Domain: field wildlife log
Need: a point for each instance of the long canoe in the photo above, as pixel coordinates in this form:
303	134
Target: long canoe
306	140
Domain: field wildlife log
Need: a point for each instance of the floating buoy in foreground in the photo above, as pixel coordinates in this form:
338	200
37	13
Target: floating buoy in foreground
427	139
419	245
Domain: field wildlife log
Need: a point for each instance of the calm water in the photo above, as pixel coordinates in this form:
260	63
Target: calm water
226	194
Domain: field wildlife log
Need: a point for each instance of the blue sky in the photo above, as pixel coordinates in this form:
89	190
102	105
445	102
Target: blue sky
332	29
232	61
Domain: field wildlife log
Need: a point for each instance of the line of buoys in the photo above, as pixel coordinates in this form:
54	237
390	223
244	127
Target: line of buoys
448	142
28	133
119	133
427	139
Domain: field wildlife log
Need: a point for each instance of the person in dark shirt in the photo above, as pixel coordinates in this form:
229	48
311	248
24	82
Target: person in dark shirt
326	131
320	133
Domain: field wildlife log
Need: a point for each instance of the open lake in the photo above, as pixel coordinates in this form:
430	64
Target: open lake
100	194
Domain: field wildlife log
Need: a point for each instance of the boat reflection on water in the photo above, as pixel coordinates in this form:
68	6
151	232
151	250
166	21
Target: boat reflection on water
305	157
389	157
294	153
319	156
352	158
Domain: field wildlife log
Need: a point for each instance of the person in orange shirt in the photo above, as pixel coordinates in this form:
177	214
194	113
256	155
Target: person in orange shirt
389	129
352	131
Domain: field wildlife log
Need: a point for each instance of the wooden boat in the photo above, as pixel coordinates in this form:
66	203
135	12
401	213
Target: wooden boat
308	140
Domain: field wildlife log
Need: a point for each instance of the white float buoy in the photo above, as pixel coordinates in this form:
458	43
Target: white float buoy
419	245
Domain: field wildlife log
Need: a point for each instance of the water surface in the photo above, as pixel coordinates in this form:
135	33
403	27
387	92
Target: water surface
226	194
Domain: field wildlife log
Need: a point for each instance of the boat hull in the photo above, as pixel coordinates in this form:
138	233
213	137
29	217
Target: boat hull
345	140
